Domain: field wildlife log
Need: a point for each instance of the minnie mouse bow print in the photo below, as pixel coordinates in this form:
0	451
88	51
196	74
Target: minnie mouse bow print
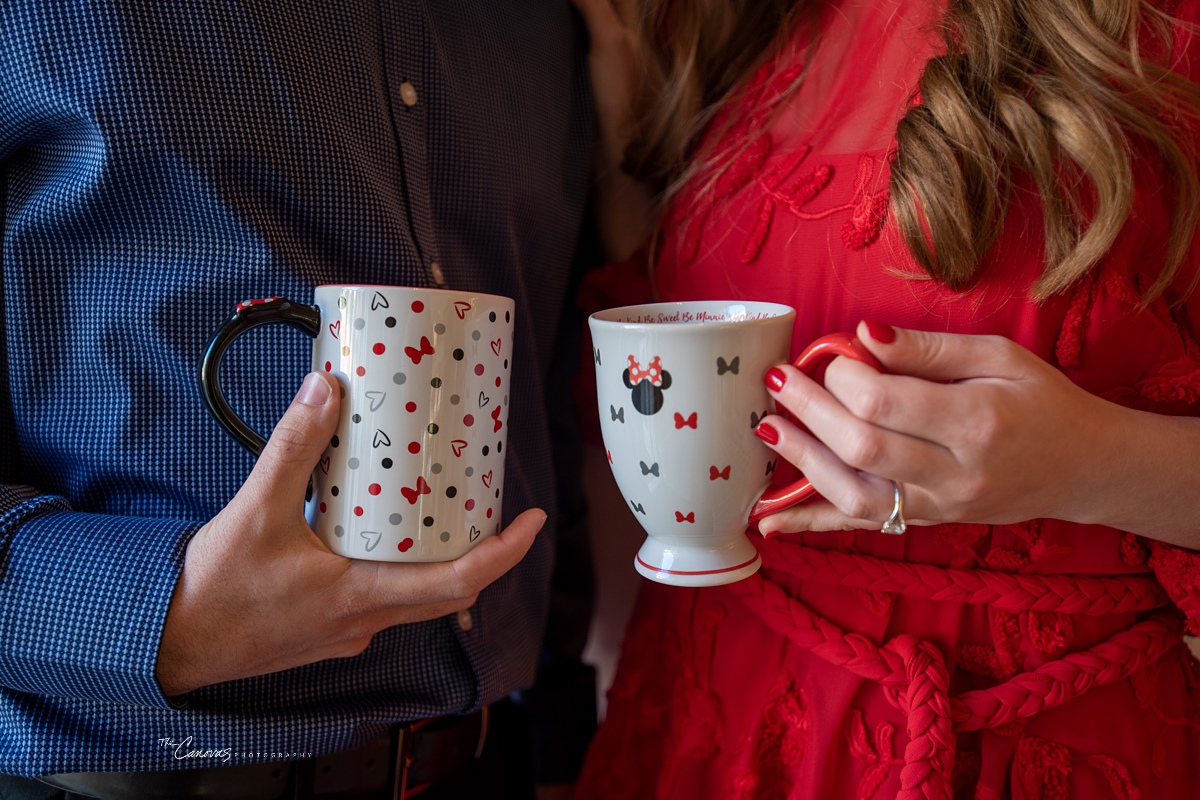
647	384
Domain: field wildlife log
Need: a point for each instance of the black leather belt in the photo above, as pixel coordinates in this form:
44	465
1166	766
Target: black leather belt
401	764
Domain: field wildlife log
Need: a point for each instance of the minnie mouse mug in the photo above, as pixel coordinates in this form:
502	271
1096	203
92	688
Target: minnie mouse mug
681	391
415	471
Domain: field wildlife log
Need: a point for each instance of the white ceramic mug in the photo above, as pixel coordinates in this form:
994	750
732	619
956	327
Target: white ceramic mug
415	471
681	391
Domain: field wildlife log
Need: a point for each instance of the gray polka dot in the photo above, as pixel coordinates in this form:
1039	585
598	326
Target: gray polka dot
399	378
359	324
339	531
475	335
454	399
395	519
470	471
445	537
352	463
436	469
439	329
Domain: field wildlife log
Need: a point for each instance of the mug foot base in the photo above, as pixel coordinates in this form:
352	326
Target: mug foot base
697	566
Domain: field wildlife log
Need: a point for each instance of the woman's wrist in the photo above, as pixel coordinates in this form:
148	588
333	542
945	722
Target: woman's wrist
1142	475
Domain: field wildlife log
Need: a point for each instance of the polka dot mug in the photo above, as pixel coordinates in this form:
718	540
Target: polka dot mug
415	471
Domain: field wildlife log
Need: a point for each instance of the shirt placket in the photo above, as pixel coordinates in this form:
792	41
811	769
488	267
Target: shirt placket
412	79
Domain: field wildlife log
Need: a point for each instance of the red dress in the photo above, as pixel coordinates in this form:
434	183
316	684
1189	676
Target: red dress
1037	660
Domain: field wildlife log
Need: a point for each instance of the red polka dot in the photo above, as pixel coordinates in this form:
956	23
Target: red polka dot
374	488
497	381
468	420
479	369
404	546
328	367
358	511
418	306
378	348
489	513
360	371
470	504
414	447
322	508
410	406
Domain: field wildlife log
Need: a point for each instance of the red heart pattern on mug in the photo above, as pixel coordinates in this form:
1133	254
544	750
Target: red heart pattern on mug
399	372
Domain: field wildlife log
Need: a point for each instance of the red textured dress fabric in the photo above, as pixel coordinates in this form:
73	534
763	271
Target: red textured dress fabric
1039	660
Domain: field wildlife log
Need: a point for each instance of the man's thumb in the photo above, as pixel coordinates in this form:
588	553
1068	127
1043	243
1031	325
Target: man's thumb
299	438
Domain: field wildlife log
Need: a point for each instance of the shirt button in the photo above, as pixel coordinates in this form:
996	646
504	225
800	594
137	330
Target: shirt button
408	94
436	270
464	619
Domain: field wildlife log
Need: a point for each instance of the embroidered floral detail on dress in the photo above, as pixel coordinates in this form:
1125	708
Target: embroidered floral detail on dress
1117	776
1179	572
1050	631
870	208
1001	659
1134	550
878	758
1042	769
779	746
697	718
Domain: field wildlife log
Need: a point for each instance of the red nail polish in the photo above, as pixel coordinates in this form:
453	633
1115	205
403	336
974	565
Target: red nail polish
884	334
767	433
775	379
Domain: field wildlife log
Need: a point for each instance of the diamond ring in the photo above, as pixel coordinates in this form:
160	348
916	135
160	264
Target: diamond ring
895	523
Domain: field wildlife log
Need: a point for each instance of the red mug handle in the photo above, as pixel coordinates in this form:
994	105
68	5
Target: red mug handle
777	498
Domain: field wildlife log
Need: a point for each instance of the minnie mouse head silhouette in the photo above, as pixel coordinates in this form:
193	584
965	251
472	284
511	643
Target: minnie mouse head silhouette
647	385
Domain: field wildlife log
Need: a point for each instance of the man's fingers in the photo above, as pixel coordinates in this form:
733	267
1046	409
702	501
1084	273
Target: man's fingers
402	586
299	439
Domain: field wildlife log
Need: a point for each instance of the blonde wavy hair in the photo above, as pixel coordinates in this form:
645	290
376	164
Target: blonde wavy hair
1055	90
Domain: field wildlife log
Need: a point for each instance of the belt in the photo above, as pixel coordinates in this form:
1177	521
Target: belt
401	764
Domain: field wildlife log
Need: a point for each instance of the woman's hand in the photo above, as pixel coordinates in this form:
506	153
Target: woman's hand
625	213
974	428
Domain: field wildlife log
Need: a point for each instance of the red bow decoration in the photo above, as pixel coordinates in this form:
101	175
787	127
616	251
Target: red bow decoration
691	517
415	354
681	422
714	473
652	372
411	495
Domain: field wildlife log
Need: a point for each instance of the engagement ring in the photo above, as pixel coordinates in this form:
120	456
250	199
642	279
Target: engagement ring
895	523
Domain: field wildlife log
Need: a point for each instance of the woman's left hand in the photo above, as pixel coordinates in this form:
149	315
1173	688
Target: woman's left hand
974	428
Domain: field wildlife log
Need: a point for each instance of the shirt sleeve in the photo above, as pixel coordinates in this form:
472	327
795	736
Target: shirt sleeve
83	598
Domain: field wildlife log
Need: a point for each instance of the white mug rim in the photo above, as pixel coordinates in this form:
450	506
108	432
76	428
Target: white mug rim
420	289
602	319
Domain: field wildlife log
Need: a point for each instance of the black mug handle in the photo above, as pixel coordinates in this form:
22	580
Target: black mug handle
247	315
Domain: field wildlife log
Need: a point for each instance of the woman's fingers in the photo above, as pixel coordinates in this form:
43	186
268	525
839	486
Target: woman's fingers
857	442
943	356
853	499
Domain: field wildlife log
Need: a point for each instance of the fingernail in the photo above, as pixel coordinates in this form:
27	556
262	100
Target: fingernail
767	433
884	334
775	379
314	391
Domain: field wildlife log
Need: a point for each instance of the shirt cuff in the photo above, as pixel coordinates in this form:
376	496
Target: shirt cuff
83	599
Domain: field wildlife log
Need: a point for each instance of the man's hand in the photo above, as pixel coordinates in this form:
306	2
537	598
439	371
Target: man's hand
261	593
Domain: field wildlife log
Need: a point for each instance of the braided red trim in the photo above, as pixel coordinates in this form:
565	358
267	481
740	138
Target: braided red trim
1068	594
1056	682
914	678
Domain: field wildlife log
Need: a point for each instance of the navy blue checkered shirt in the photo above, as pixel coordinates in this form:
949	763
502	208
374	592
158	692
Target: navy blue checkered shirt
160	162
